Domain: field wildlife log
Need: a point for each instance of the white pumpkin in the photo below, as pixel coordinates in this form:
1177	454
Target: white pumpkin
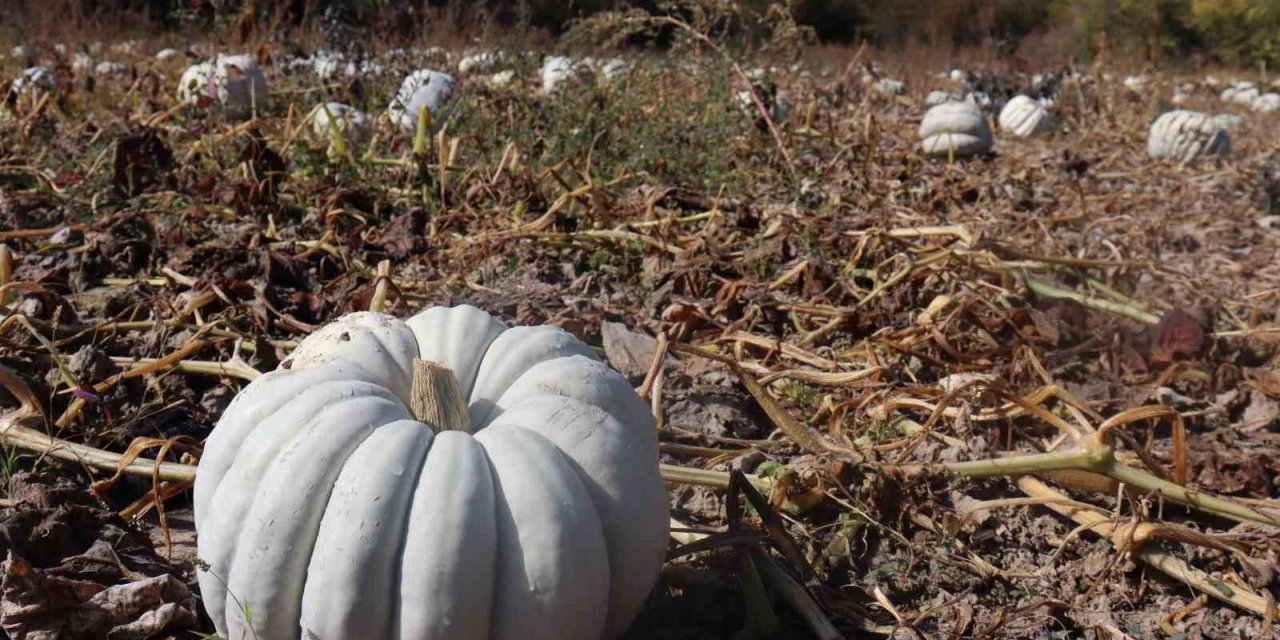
354	124
501	78
1228	120
954	128
81	63
978	98
890	87
235	82
424	88
1240	93
1266	103
611	68
1185	136
326	506
29	87
108	68
478	62
327	64
366	69
936	98
555	69
1024	117
195	82
1135	83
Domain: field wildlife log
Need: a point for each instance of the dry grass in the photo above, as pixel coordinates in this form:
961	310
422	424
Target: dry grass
891	323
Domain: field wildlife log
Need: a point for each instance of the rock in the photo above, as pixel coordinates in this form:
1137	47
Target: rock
747	463
1261	411
91	365
630	352
716	414
216	400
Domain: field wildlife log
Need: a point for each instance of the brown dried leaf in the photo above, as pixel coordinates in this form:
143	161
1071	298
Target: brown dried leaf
1178	335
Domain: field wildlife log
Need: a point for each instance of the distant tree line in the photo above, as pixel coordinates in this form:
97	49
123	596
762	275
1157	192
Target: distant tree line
1227	31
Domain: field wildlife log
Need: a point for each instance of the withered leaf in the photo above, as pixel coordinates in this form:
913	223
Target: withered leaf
1178	335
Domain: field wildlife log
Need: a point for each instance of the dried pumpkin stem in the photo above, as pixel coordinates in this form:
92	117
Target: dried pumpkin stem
435	398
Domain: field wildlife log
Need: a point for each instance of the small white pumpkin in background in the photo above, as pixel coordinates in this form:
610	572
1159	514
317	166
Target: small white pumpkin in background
478	62
30	86
108	68
365	69
1266	103
936	98
1185	136
234	82
1024	117
891	87
81	63
955	129
126	47
611	68
1181	94
767	91
555	69
500	79
195	82
1134	83
1229	120
354	124
1240	93
166	54
531	507
327	64
421	89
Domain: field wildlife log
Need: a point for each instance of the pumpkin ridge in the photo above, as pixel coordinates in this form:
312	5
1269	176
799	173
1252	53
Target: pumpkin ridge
631	507
525	607
359	538
363	413
230	516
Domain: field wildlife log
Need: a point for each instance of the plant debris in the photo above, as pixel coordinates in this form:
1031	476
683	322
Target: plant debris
1032	394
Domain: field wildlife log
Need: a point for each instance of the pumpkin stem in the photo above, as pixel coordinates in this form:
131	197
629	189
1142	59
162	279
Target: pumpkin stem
435	398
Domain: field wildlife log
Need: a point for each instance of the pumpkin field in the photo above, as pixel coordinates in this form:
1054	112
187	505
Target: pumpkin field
649	330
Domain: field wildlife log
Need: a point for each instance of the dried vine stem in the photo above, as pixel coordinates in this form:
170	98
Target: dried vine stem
1133	536
799	433
13	432
379	301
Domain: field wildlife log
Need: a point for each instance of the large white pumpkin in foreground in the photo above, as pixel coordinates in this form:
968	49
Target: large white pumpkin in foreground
955	128
323	505
1185	136
1024	117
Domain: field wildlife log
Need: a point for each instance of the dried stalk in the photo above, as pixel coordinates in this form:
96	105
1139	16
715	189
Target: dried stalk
1124	537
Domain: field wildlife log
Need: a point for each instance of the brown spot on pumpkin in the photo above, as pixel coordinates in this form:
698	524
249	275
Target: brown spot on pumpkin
287	364
345	336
